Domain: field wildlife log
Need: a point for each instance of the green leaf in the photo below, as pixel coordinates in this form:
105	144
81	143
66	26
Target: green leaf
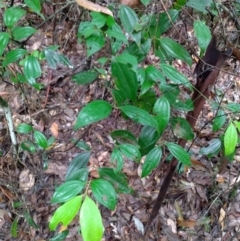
147	139
117	159
203	35
21	33
13	55
98	19
80	161
155	74
176	50
67	190
4	39
128	18
104	193
12	15
24	128
130	151
237	124
123	136
85	77
95	111
219	121
126	80
30	220
145	2
126	58
151	161
179	153
34	5
65	213
90	221
40	139
54	58
234	107
118	180
214	146
162	110
78	175
13	229
176	77
230	139
32	68
28	146
199	5
60	236
182	128
95	42
138	115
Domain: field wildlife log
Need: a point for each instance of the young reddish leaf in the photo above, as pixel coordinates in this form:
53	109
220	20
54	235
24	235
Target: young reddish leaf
230	139
90	221
65	213
104	193
93	112
179	153
151	161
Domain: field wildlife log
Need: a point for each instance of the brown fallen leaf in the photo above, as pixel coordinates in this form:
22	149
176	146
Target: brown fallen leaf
94	7
54	129
187	223
131	3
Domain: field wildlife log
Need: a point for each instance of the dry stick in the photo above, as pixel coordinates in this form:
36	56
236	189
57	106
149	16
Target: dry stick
192	116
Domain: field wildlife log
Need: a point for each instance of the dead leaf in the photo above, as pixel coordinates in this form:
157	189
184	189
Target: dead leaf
131	3
221	218
187	223
173	225
94	7
54	129
26	180
57	168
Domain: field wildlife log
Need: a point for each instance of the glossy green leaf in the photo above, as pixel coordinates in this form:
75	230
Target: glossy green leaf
126	58
95	42
128	18
54	58
162	110
13	55
234	107
12	15
230	139
123	136
90	221
85	77
34	5
67	190
138	115
4	39
199	5
118	180
60	236
176	50
32	68
82	145
65	213
40	139
95	111
237	124
13	229
78	175
147	140
155	74
145	2
146	101
126	80
104	193
28	146
98	19
182	128
78	162
21	33
179	153
171	92
117	159
130	151
219	120
214	146
24	128
203	35
151	161
174	75
179	4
